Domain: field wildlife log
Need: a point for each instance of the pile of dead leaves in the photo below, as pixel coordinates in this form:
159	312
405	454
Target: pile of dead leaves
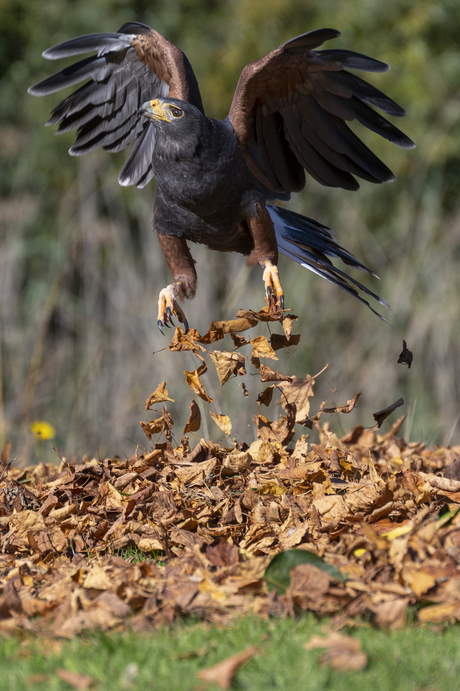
373	522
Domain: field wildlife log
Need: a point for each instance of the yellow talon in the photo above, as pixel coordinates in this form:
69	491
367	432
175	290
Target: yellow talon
168	305
273	287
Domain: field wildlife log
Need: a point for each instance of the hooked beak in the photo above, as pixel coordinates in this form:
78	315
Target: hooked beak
153	110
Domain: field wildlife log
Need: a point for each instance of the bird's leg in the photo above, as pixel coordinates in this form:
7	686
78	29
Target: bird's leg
181	265
265	253
272	282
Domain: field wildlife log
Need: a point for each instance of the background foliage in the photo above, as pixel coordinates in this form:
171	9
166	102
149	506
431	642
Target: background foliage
80	269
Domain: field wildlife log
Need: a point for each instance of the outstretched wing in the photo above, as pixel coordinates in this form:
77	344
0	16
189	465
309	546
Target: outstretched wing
132	66
290	110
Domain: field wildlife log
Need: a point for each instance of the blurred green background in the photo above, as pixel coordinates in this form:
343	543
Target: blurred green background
80	268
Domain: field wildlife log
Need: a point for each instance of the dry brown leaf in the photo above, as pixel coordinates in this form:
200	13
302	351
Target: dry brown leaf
162	424
208	338
369	504
382	415
438	613
262	348
236	462
194	419
344	652
443	483
233	325
269	374
182	341
405	357
307	587
344	408
223	422
265	397
452	471
193	380
227	364
80	682
263	315
278	341
298	392
244	389
391	614
223	673
239	341
158	396
287	323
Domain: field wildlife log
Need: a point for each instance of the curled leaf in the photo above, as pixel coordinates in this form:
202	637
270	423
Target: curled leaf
227	364
193	380
262	348
223	422
382	415
158	396
194	419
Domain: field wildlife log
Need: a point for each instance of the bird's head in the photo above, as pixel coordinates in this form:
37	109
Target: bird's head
181	126
163	109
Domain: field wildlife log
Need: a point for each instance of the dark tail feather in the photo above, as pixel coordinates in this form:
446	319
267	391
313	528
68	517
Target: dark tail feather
310	244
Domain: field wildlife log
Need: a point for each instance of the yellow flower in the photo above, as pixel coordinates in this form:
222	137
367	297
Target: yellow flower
42	429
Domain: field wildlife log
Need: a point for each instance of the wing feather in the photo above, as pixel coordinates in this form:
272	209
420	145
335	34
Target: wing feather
315	96
132	66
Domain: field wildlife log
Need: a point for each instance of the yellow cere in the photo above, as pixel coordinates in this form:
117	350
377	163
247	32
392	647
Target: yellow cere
42	430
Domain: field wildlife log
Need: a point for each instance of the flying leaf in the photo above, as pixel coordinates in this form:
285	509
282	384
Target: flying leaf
209	337
382	415
194	419
345	407
223	422
244	389
182	341
193	380
227	364
159	395
162	424
298	392
278	341
239	341
268	374
287	324
233	325
265	397
262	348
406	356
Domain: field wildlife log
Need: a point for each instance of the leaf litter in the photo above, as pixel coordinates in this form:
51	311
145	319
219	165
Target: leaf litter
366	525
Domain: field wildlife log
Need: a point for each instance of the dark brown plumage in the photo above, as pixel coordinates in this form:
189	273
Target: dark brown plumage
214	178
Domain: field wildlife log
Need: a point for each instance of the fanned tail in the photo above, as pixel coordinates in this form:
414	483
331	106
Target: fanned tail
310	244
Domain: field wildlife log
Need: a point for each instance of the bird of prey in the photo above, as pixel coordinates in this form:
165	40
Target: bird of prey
215	179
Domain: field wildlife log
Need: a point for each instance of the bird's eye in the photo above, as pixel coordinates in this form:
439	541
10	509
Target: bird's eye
176	112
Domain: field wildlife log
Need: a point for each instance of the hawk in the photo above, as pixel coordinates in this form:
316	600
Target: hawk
216	181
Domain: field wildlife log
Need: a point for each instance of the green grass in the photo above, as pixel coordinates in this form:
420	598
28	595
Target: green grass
133	555
413	659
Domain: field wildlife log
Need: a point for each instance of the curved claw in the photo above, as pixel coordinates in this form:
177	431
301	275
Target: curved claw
269	294
167	306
